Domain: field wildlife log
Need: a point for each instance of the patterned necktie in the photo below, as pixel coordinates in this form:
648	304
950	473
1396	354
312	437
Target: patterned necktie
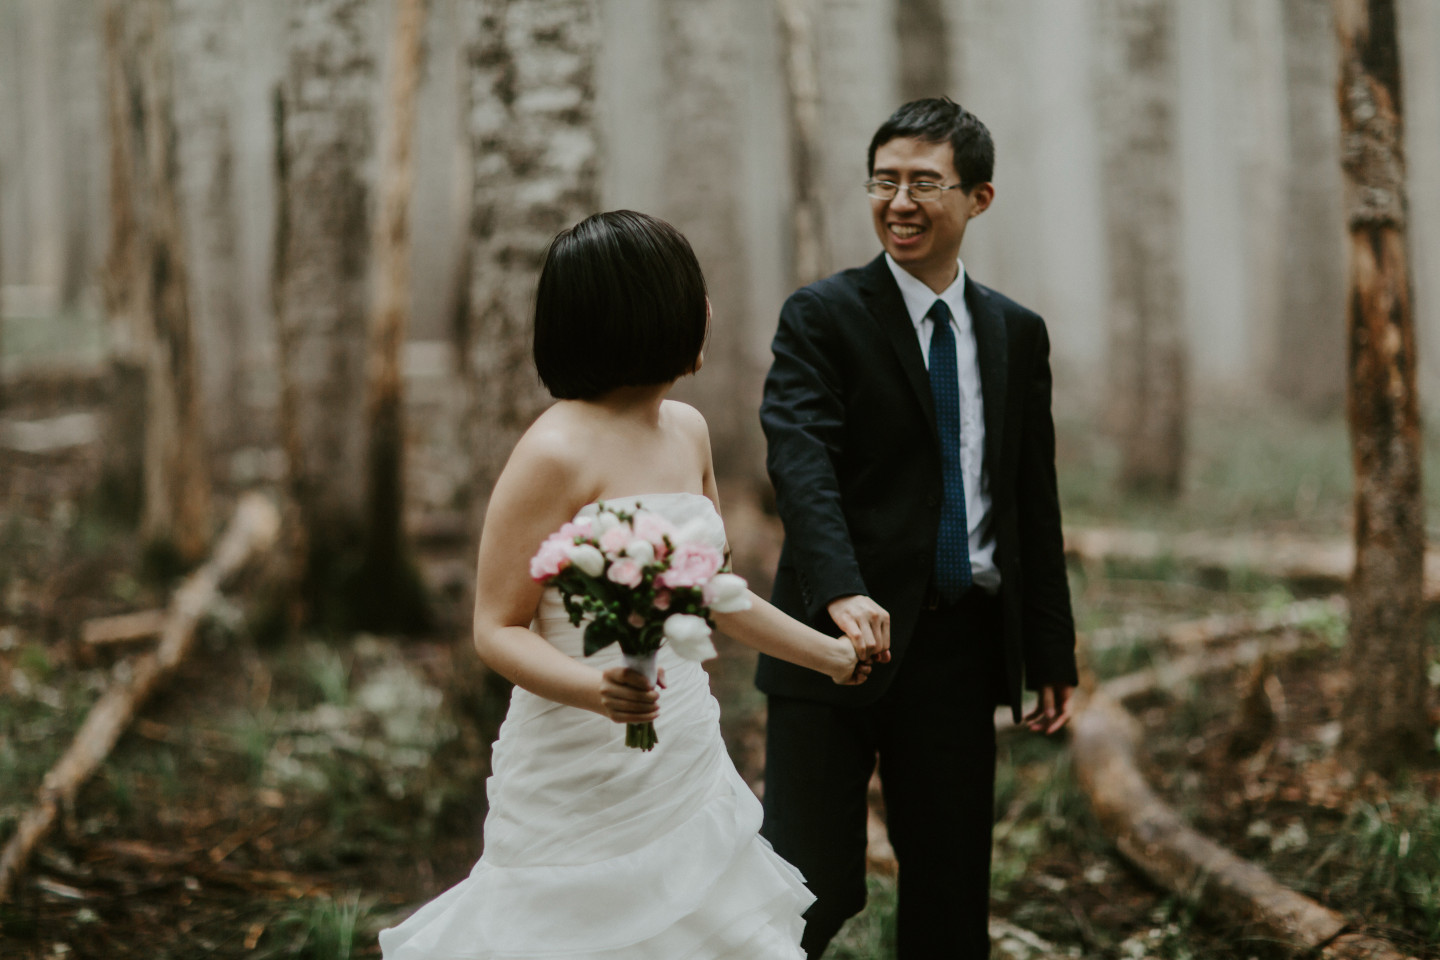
952	547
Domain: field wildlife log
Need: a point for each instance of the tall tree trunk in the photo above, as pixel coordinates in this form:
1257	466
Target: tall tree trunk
1309	355
177	479
388	595
1148	361
147	294
532	133
924	49
205	34
1385	722
812	256
703	173
324	143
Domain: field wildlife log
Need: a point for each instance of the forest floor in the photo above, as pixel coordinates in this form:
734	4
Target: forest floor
288	798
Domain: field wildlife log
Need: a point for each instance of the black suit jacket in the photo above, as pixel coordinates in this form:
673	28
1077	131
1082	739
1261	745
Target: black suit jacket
854	455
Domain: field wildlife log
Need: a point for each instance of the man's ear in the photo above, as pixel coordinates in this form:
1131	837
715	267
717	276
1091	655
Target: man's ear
981	196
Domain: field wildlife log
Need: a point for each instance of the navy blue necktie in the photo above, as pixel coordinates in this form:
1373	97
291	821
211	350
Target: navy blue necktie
952	547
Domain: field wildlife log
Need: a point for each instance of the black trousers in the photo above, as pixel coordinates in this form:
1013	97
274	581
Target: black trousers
934	734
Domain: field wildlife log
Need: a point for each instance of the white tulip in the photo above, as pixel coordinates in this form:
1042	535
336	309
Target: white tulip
727	593
641	551
604	523
587	559
689	636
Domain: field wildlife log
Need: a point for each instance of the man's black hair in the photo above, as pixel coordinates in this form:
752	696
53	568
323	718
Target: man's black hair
938	120
621	302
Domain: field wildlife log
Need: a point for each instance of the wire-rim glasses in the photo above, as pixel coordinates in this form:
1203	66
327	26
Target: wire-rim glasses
921	191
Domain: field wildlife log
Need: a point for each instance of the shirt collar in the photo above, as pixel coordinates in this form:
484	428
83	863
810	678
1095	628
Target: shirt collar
920	298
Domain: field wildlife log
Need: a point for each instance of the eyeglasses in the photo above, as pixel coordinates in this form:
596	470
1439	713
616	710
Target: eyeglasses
921	191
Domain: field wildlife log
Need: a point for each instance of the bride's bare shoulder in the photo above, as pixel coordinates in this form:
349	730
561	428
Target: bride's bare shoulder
552	449
688	419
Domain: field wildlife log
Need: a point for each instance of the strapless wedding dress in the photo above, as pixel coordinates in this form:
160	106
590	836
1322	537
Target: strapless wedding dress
596	851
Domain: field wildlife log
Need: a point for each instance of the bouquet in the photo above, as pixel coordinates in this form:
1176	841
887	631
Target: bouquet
640	582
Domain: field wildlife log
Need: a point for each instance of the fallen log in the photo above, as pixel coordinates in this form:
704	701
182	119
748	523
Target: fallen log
122	628
1171	853
1284	557
253	528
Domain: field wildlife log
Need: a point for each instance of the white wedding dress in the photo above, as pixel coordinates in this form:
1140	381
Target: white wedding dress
597	851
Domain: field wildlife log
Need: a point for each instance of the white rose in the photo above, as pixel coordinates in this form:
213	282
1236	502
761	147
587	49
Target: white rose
587	559
641	551
689	636
727	593
604	523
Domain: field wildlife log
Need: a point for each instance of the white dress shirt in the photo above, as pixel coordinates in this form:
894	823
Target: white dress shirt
918	300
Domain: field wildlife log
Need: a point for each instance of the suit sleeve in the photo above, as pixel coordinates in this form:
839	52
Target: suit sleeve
1049	625
802	414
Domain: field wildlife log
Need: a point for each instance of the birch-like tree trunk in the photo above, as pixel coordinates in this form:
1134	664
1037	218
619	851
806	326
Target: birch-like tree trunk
177	478
1148	368
532	133
206	32
923	34
388	595
1308	362
802	82
324	143
1384	720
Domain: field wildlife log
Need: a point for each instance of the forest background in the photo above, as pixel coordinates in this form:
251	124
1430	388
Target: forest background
290	246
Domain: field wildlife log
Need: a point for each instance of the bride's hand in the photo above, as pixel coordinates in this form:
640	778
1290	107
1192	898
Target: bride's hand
848	670
627	697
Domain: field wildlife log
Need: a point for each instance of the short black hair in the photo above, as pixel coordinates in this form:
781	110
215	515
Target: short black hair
936	120
621	303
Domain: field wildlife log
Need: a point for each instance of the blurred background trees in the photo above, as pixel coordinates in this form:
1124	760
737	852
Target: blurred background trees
1168	196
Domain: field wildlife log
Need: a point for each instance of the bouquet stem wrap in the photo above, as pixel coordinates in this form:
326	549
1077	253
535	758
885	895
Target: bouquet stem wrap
642	736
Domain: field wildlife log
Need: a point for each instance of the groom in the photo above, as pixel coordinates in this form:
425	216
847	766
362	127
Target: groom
912	450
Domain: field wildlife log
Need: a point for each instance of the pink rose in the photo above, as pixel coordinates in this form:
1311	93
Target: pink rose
662	599
576	528
550	559
653	528
615	540
625	571
691	565
635	620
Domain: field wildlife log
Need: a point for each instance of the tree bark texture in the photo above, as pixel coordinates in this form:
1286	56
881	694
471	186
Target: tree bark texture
534	143
924	40
384	571
324	118
1138	93
703	172
206	33
1308	362
802	82
1384	719
146	283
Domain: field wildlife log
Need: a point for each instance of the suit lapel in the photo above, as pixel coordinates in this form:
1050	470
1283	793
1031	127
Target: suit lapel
991	344
882	298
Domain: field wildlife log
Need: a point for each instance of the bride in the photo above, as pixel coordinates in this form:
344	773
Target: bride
592	849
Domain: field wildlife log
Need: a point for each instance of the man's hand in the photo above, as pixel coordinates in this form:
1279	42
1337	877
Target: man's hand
866	624
1052	709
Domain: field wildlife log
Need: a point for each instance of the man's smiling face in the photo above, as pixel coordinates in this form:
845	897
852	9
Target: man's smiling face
924	238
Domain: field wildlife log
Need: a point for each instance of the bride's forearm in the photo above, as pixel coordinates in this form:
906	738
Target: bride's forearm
528	661
772	632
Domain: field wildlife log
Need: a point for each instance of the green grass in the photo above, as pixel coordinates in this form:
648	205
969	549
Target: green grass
324	928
